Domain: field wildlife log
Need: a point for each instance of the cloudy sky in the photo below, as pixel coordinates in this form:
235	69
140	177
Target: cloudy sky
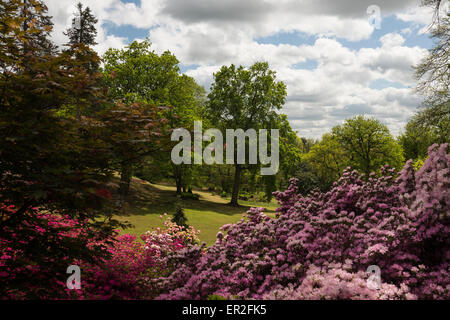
336	58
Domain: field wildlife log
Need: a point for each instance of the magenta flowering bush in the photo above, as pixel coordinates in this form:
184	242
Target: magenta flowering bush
320	246
125	270
133	265
27	273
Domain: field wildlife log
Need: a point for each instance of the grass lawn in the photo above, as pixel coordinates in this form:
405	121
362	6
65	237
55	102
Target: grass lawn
148	201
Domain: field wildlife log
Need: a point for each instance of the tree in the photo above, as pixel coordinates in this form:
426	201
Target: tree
83	27
49	163
179	218
415	140
134	132
82	37
291	148
138	74
32	16
307	179
368	144
244	99
328	159
433	75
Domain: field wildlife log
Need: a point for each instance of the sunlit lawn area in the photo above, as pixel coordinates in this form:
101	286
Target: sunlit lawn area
208	214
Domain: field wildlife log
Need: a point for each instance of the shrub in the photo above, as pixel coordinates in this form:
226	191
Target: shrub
400	224
188	195
125	270
179	218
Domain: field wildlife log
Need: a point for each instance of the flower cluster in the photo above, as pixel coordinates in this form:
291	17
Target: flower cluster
397	222
133	265
337	281
24	272
126	271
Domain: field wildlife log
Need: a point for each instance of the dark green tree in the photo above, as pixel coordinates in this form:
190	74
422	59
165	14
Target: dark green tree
83	28
138	74
50	162
328	159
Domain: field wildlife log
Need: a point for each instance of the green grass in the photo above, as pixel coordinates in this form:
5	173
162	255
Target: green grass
148	201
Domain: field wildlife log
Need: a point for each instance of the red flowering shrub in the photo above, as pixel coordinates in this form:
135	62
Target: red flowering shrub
399	224
25	271
125	269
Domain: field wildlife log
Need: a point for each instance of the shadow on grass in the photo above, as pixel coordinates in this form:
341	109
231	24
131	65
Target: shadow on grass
145	198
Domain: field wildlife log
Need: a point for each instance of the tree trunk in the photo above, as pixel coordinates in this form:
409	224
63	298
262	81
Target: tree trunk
125	179
236	184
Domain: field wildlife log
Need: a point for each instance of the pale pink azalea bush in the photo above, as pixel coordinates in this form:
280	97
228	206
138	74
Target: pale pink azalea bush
337	281
399	223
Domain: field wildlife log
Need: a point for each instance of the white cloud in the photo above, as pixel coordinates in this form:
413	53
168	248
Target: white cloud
211	34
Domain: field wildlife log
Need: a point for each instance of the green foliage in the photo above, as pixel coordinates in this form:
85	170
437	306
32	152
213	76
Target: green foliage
418	164
244	99
415	140
291	149
308	180
179	218
368	144
328	159
86	32
138	74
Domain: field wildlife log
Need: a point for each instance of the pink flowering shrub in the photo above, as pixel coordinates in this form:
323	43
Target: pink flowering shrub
125	271
398	222
130	271
27	273
337	281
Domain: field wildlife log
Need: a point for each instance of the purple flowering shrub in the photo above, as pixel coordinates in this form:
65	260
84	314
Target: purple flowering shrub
320	246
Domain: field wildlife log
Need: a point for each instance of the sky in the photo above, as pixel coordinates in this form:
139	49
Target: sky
338	58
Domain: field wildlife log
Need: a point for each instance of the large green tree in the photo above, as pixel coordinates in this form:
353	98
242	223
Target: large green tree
134	131
368	144
138	74
328	159
415	140
244	98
